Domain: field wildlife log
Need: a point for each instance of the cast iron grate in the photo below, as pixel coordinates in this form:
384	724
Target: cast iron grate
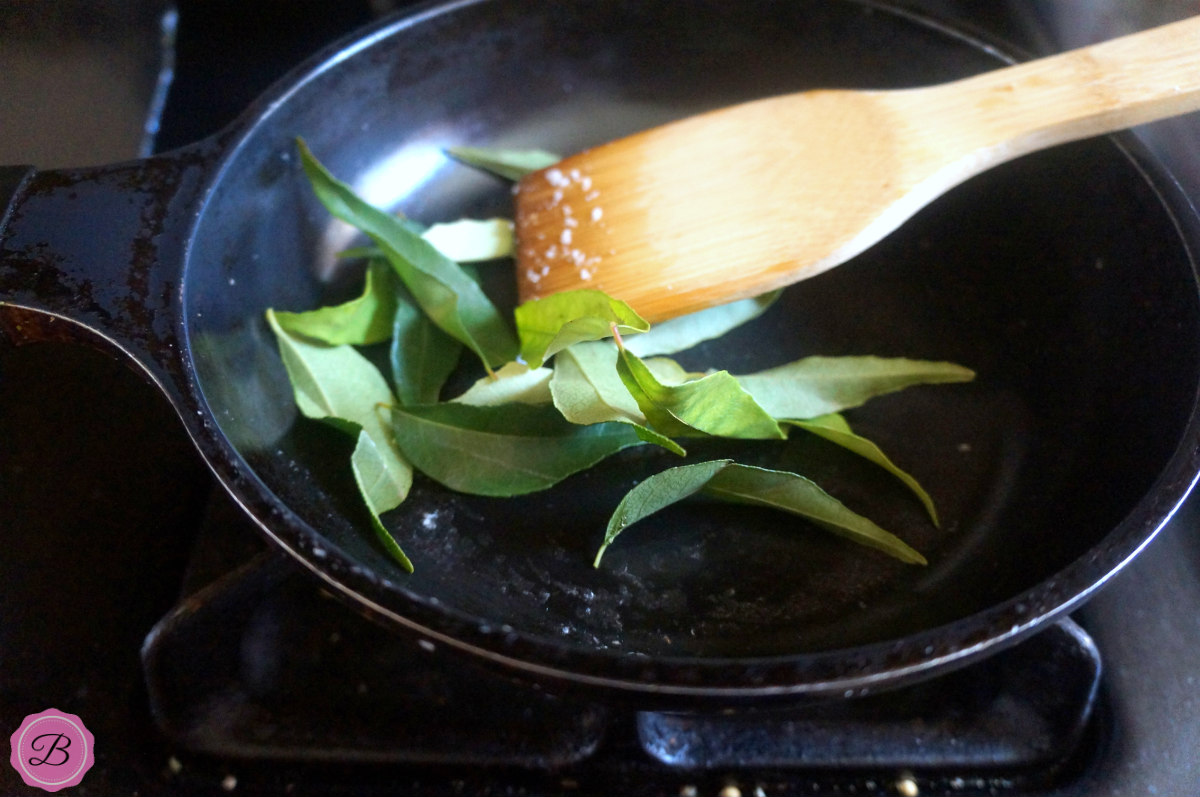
257	663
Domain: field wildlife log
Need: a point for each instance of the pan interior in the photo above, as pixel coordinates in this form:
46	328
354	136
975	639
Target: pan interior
1061	279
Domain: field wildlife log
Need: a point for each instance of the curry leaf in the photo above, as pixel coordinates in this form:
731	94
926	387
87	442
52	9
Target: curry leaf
333	382
360	321
515	383
586	389
422	356
338	385
502	451
677	334
511	164
834	428
790	492
453	300
817	386
552	323
744	484
463	241
380	484
714	404
658	492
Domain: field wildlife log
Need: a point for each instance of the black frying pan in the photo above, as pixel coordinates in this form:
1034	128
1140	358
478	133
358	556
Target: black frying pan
1065	279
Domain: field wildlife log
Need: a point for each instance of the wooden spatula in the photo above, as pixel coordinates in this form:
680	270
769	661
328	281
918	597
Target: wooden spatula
742	200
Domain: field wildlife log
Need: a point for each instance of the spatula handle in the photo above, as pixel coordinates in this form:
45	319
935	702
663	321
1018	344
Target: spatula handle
1124	82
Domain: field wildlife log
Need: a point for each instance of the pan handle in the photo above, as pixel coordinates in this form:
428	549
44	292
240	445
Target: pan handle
96	255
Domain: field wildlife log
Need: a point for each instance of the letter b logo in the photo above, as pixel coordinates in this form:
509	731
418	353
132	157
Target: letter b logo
52	750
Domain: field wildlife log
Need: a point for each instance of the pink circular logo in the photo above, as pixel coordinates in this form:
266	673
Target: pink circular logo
52	750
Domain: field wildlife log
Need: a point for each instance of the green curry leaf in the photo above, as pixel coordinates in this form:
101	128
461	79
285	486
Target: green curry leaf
552	323
502	451
515	383
453	300
586	389
744	484
511	164
834	428
338	385
790	492
422	356
678	334
363	320
463	241
382	486
815	386
655	493
713	405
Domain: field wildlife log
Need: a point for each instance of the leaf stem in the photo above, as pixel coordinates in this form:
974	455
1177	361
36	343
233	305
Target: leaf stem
617	336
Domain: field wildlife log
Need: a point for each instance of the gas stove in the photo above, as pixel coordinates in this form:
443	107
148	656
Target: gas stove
137	597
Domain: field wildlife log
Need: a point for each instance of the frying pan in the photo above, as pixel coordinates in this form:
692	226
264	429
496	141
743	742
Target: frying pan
1066	280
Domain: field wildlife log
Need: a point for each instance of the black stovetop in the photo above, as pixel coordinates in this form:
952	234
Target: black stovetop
108	519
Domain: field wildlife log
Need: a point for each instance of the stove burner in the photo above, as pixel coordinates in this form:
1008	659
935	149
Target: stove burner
261	664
